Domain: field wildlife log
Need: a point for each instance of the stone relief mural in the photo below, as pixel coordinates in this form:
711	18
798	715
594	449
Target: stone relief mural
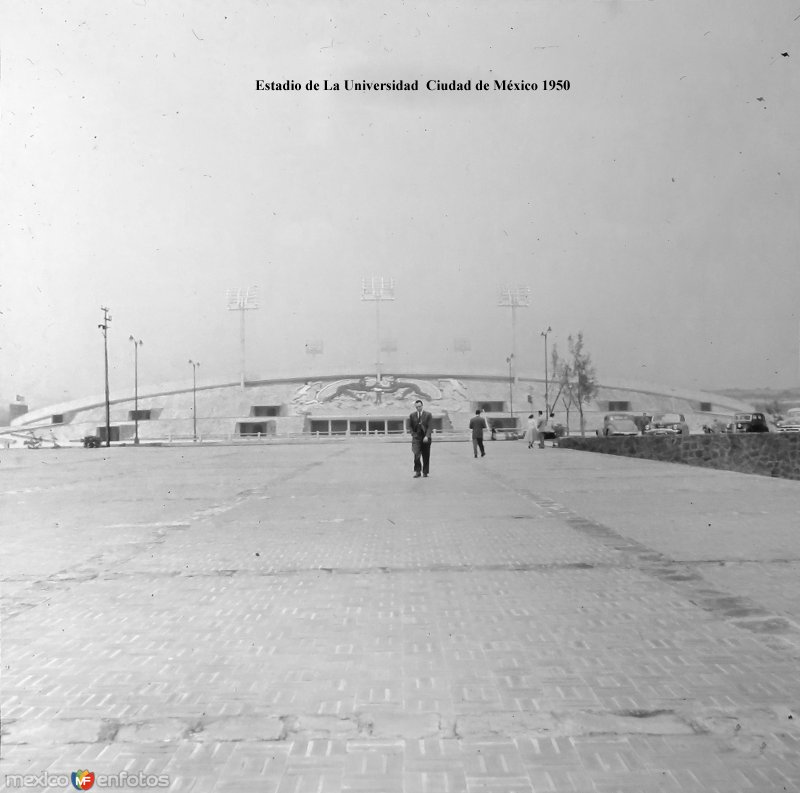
390	393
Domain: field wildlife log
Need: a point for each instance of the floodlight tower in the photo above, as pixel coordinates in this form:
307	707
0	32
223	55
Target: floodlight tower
242	300
514	297
377	289
314	348
104	328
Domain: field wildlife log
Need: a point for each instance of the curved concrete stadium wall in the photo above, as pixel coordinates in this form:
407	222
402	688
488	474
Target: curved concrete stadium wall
299	404
768	454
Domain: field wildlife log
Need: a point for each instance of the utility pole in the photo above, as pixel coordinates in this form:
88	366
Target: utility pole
136	344
378	289
514	297
510	362
104	328
546	399
194	365
242	300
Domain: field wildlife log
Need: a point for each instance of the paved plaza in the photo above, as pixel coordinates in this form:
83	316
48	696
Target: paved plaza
286	617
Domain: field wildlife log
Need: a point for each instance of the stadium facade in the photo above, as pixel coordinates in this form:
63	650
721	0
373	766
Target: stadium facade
343	405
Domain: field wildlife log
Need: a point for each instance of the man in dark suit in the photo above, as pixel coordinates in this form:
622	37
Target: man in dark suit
477	424
420	423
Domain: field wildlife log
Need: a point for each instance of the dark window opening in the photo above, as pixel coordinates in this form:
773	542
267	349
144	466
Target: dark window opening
395	425
339	427
114	435
504	423
490	406
706	407
141	415
619	407
58	418
358	427
265	410
255	428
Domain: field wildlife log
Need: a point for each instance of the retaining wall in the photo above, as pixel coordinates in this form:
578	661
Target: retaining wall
768	454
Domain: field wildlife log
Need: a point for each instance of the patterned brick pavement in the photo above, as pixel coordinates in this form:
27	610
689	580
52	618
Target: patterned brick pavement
310	618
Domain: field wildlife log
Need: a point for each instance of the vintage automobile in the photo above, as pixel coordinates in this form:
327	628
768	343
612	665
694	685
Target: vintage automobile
789	424
667	424
749	422
618	424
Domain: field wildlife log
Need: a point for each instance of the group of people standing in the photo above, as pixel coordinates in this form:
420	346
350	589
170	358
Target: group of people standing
539	427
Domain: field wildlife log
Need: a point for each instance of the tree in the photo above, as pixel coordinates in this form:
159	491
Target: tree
582	375
562	373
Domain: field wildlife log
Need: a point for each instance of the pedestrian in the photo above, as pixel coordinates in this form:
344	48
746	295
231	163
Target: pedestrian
530	432
420	423
541	428
477	424
550	428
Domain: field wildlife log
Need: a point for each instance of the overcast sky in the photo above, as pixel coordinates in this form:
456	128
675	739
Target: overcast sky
654	205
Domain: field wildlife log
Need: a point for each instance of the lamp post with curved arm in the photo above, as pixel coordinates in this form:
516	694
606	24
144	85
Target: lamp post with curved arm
194	365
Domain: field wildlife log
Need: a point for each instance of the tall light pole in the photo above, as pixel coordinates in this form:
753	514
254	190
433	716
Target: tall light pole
194	365
242	300
377	289
314	348
510	362
514	297
136	344
546	395
104	328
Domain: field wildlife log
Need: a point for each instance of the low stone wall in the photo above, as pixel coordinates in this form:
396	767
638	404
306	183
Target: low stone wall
768	454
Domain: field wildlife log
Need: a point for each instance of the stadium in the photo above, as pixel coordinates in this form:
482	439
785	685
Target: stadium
341	405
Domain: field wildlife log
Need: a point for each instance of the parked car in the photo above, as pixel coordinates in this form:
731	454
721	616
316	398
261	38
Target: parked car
618	424
749	422
790	424
667	424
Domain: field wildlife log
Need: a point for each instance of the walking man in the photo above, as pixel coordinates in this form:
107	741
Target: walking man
477	424
420	423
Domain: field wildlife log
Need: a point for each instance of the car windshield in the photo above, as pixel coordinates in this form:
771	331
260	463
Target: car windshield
668	418
625	425
744	417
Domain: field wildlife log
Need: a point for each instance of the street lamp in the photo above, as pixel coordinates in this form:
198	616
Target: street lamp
546	400
510	362
378	289
194	364
136	344
513	297
104	328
